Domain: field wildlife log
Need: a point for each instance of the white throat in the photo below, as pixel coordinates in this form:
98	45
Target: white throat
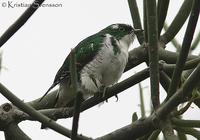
126	40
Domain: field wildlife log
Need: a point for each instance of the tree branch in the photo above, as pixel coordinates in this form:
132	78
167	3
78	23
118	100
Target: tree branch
167	130
185	48
186	123
180	94
154	135
181	136
33	113
66	112
164	80
20	21
162	13
130	132
195	133
142	107
148	125
191	64
153	51
74	81
137	56
195	42
49	101
178	22
136	19
145	20
13	132
133	80
171	57
8	123
174	41
58	113
167	56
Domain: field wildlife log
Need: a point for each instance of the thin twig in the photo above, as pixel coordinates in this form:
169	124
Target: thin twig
184	109
145	20
188	65
153	51
164	80
142	107
195	42
20	21
74	81
185	48
171	57
178	21
136	19
76	115
174	41
162	13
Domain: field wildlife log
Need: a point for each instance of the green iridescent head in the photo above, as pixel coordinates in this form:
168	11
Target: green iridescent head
118	30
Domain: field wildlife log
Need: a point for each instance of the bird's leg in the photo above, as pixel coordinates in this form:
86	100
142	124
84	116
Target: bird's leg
100	93
102	88
103	92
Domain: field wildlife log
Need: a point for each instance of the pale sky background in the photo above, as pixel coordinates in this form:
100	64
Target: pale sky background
34	54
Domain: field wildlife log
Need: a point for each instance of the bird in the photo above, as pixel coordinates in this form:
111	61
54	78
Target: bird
100	60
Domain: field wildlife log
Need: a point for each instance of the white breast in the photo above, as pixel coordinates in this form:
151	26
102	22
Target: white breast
106	68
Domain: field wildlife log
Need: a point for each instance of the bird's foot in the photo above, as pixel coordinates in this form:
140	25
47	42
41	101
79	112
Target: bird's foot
102	93
116	98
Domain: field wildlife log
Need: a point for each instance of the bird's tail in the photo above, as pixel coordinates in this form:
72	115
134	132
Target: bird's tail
52	86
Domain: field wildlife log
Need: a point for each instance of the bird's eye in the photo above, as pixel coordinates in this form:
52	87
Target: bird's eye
121	29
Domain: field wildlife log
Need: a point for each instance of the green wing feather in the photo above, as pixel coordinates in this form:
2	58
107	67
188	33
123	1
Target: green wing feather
85	52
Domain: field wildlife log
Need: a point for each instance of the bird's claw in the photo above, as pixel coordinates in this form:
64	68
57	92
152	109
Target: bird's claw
102	93
116	98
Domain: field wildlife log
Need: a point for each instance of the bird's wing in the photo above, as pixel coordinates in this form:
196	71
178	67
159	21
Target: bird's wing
85	52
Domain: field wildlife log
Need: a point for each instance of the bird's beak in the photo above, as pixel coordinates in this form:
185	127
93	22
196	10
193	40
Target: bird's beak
136	31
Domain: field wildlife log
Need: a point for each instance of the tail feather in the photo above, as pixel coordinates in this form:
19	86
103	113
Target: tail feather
52	86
